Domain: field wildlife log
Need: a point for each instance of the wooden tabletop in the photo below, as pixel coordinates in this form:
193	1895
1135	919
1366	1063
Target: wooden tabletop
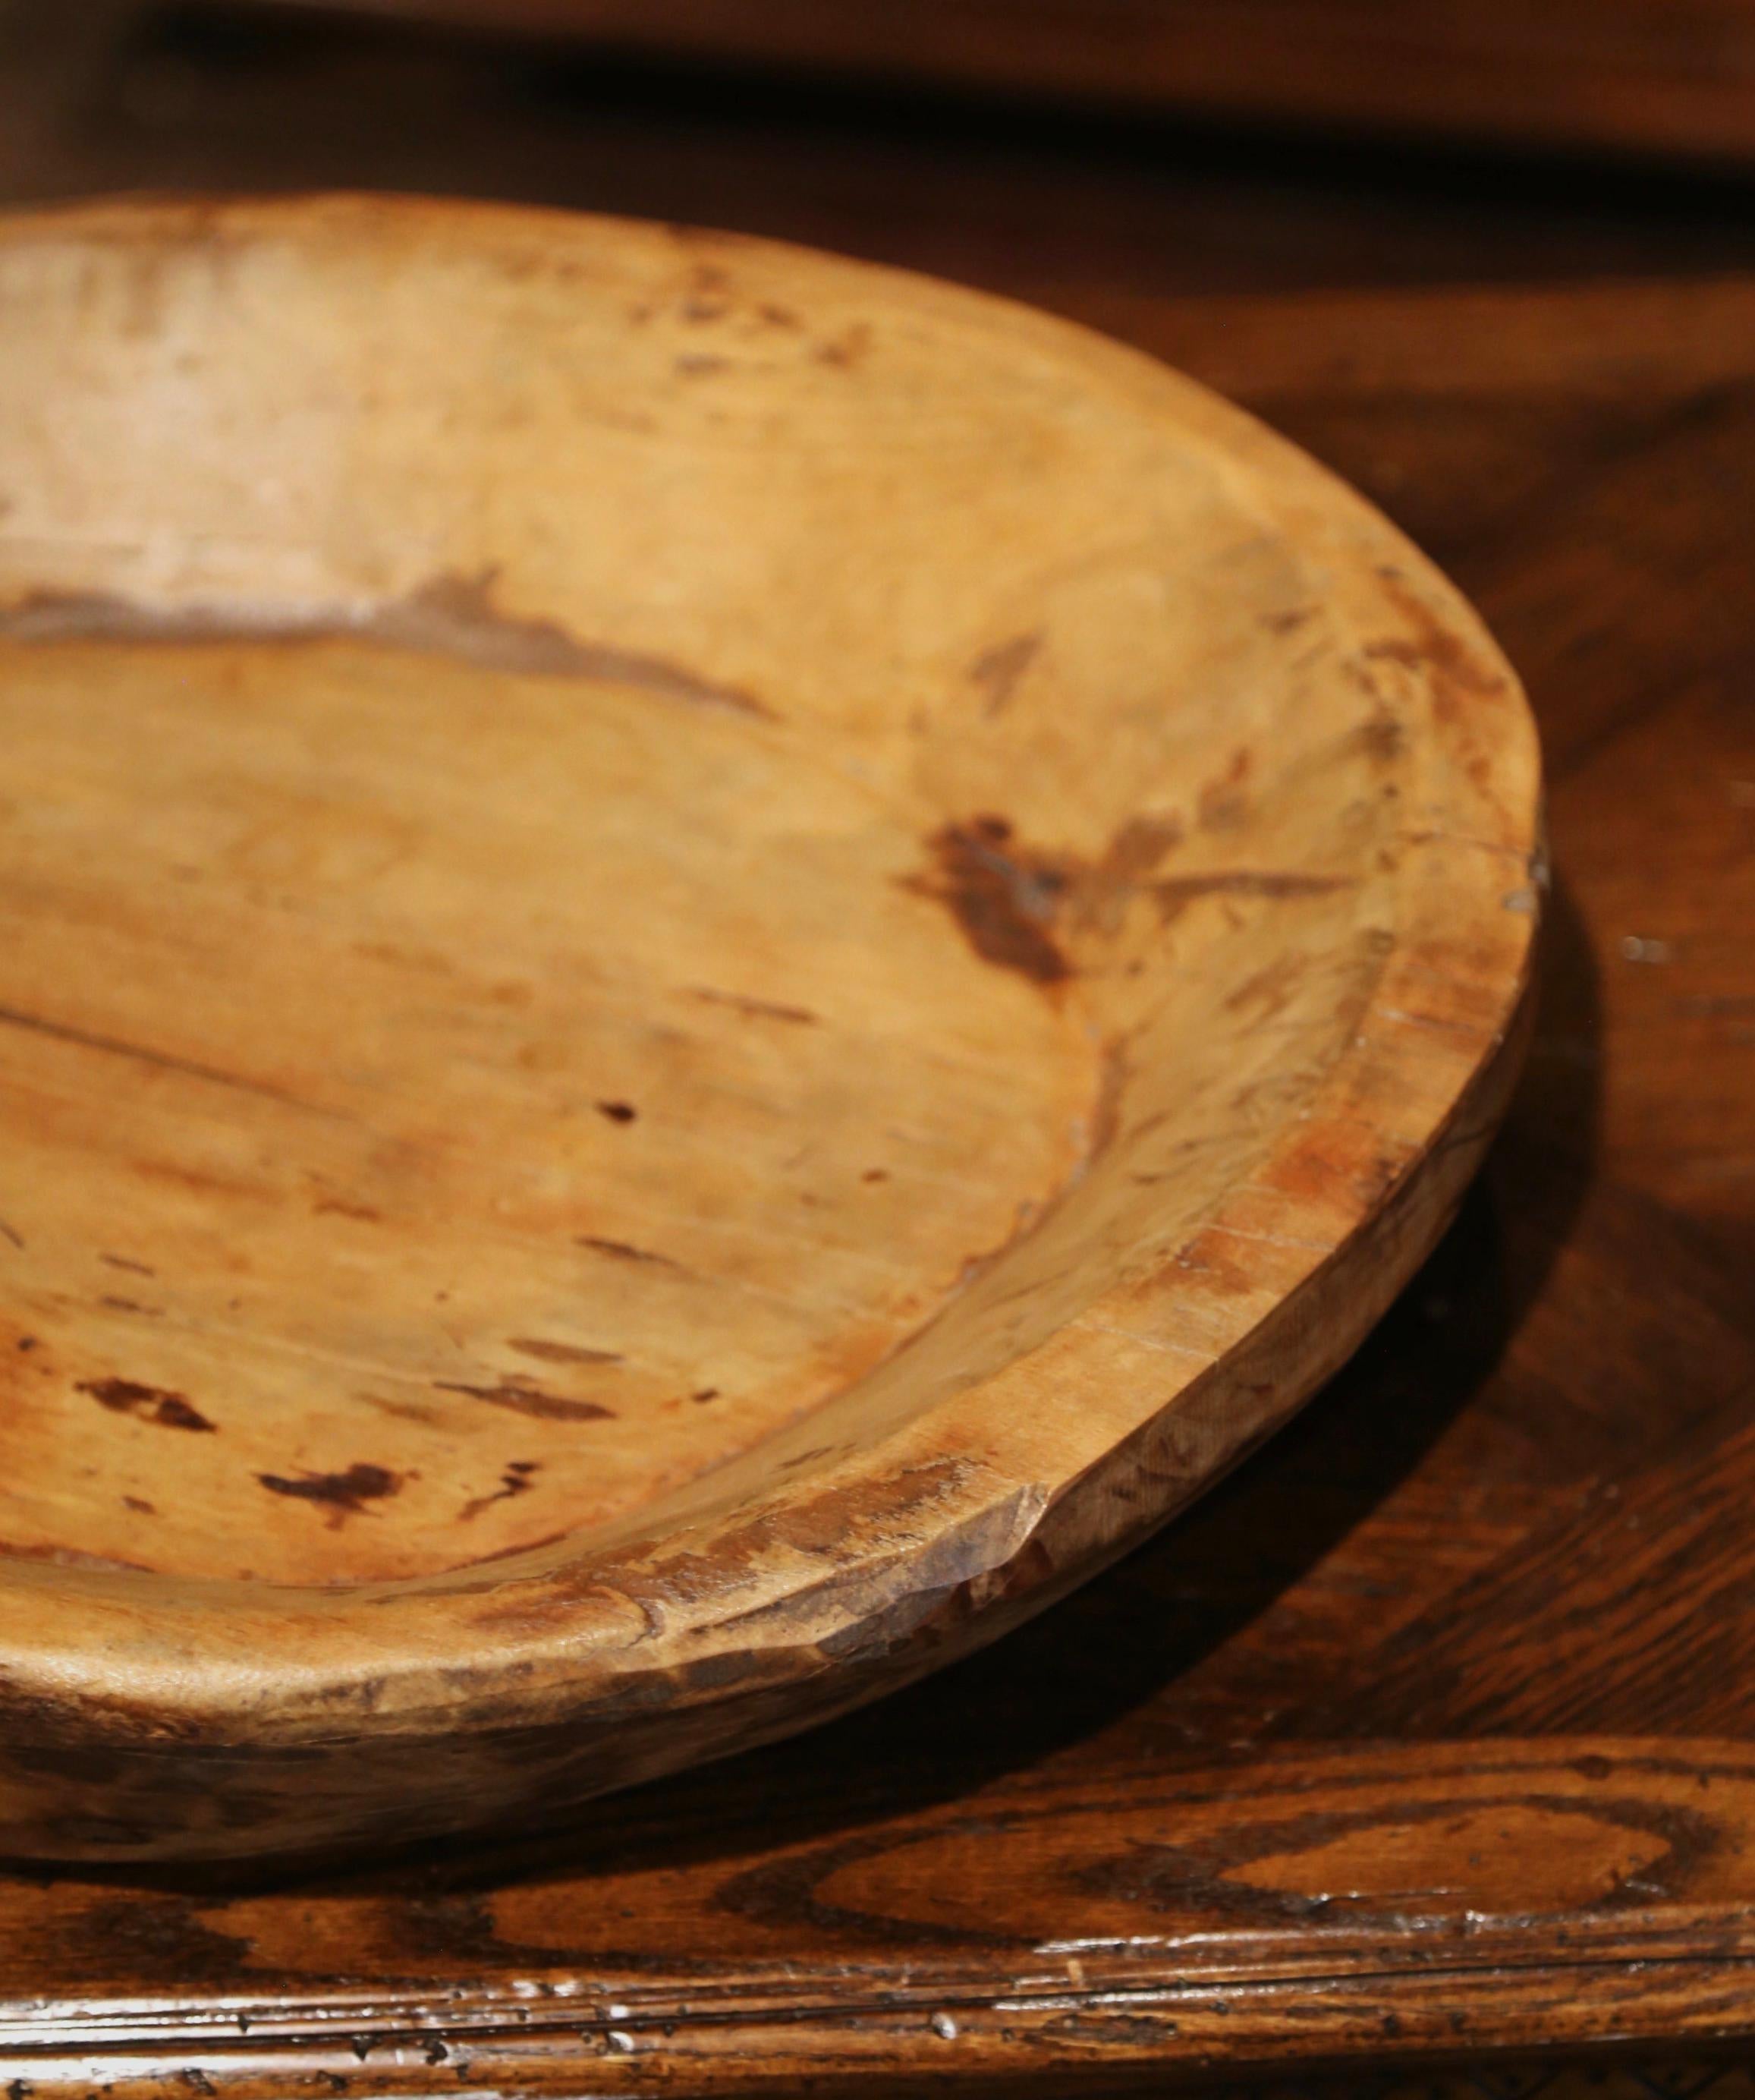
1680	77
1432	1733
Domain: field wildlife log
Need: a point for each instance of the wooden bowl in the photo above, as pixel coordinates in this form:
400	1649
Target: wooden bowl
715	964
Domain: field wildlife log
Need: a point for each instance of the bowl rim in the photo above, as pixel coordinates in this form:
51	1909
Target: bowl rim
1412	1099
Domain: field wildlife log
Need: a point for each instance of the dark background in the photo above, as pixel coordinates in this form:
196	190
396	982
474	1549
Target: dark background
1063	152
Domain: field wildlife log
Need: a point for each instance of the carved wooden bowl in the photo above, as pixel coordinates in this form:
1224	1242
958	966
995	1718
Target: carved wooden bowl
715	964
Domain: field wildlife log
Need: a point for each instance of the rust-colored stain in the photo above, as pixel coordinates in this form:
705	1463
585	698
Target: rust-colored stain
1381	737
523	1399
764	1009
1211	1255
149	1403
997	672
625	1251
338	1206
1015	904
1454	670
1137	849
847	348
563	1352
121	1261
451	615
1271	988
1004	897
514	1480
1222	804
512	1552
343	1495
110	1046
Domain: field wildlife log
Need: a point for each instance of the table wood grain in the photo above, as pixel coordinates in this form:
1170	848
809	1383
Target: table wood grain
1678	77
1430	1735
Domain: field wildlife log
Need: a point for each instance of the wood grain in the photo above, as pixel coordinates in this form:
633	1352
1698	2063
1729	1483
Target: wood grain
1069	211
1678	77
1586	1326
699	1002
1286	1908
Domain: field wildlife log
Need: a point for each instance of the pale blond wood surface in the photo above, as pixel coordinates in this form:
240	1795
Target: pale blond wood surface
714	964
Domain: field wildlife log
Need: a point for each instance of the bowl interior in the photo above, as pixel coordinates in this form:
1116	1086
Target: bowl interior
621	854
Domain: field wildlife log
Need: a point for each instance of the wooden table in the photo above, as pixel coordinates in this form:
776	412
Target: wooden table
1680	76
1430	1737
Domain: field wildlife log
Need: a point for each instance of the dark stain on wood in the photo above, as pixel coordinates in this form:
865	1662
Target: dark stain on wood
1223	803
340	1208
170	1944
1381	737
514	1480
563	1352
618	1111
1138	848
1456	673
121	1261
343	1495
1271	988
148	1403
110	1046
997	672
765	1009
625	1250
847	348
451	615
1004	897
523	1399
1015	904
520	1546
709	299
